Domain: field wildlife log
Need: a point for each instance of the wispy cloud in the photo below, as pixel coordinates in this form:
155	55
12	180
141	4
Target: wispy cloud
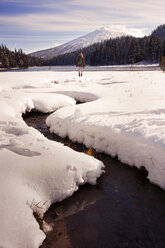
76	17
141	12
32	38
49	22
87	15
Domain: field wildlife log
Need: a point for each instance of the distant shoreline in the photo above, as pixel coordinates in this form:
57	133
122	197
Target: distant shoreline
70	68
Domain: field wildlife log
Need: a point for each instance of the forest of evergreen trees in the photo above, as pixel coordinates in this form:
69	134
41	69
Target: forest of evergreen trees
17	59
117	51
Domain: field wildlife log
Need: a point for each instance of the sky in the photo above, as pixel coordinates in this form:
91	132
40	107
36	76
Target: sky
40	24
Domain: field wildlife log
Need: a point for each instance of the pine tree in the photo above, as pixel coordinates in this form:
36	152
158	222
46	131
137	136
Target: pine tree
162	63
9	59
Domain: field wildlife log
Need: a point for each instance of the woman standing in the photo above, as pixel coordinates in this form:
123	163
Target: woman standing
80	63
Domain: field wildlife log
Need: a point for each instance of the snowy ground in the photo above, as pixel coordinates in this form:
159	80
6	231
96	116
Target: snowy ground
124	115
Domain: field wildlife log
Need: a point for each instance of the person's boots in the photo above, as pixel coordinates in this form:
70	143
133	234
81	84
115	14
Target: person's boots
79	74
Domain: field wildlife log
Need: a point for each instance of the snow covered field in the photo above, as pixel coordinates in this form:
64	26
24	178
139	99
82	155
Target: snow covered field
124	115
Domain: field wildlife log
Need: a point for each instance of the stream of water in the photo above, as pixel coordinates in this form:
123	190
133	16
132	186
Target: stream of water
124	210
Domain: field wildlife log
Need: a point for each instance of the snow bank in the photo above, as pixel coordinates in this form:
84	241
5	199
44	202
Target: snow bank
118	135
125	119
35	172
51	102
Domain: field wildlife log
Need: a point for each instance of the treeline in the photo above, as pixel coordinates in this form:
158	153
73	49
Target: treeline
17	59
117	51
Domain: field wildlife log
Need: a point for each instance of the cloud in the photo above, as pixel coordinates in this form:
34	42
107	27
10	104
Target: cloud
47	22
64	20
128	31
32	38
78	15
140	12
56	23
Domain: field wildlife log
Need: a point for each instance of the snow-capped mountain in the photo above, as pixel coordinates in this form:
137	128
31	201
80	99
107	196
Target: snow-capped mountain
93	37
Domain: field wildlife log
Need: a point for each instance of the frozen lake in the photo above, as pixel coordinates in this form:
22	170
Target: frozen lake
149	67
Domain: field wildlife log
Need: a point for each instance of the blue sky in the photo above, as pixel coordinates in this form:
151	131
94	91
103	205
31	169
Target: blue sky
39	24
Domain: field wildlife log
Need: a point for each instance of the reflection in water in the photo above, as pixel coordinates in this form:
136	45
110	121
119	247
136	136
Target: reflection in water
59	213
59	236
123	210
76	204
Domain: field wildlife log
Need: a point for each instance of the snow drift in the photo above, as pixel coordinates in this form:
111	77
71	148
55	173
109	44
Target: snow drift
35	172
123	116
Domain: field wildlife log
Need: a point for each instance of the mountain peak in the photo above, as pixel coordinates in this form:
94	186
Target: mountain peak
98	35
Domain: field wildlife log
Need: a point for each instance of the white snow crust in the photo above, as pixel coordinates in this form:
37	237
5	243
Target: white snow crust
35	172
123	115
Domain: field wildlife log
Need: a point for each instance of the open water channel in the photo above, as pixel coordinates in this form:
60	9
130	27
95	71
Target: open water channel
124	210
